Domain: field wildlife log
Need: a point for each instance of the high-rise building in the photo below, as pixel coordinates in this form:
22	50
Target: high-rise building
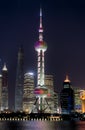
56	103
77	100
28	95
19	81
52	97
67	97
82	97
41	90
4	79
49	83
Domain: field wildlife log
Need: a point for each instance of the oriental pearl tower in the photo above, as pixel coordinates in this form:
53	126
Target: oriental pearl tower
41	91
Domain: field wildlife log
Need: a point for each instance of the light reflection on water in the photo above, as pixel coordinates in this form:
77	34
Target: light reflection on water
42	125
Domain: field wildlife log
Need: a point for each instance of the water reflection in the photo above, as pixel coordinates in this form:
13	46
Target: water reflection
14	125
67	125
42	125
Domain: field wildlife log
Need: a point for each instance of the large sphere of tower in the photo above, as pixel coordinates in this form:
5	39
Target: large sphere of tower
40	45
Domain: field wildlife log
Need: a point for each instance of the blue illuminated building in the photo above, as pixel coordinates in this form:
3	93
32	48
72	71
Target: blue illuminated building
67	97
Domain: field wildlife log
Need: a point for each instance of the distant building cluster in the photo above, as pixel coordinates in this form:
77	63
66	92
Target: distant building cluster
41	98
25	96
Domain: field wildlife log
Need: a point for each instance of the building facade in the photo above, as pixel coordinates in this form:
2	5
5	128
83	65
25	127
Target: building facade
19	81
67	97
77	100
28	94
49	83
56	103
4	94
82	97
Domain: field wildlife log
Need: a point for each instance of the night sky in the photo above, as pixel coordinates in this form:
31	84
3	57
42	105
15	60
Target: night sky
64	32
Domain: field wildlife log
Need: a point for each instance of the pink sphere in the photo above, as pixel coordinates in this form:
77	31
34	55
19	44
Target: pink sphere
40	45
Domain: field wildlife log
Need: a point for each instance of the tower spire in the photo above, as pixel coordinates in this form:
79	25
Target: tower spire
67	79
40	27
40	17
4	68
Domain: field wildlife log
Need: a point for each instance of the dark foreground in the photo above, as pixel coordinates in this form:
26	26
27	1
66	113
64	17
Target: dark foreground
42	125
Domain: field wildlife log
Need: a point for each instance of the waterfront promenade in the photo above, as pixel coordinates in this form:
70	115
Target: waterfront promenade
21	116
33	116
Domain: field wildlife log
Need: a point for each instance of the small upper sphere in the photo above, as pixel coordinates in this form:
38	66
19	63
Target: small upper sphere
40	45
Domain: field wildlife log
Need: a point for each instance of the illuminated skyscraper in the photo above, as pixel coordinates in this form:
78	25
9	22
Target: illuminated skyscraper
41	90
56	103
52	97
77	99
19	81
28	95
4	103
82	97
67	97
49	83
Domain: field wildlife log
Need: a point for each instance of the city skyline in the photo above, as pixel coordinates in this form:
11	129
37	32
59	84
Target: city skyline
63	31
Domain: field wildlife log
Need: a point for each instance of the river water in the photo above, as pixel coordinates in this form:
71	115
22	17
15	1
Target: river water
42	125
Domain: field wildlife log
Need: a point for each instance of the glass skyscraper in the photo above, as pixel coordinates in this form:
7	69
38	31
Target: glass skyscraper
78	101
67	97
52	97
28	95
49	83
19	81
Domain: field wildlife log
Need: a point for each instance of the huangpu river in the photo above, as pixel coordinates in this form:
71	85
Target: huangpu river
42	125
